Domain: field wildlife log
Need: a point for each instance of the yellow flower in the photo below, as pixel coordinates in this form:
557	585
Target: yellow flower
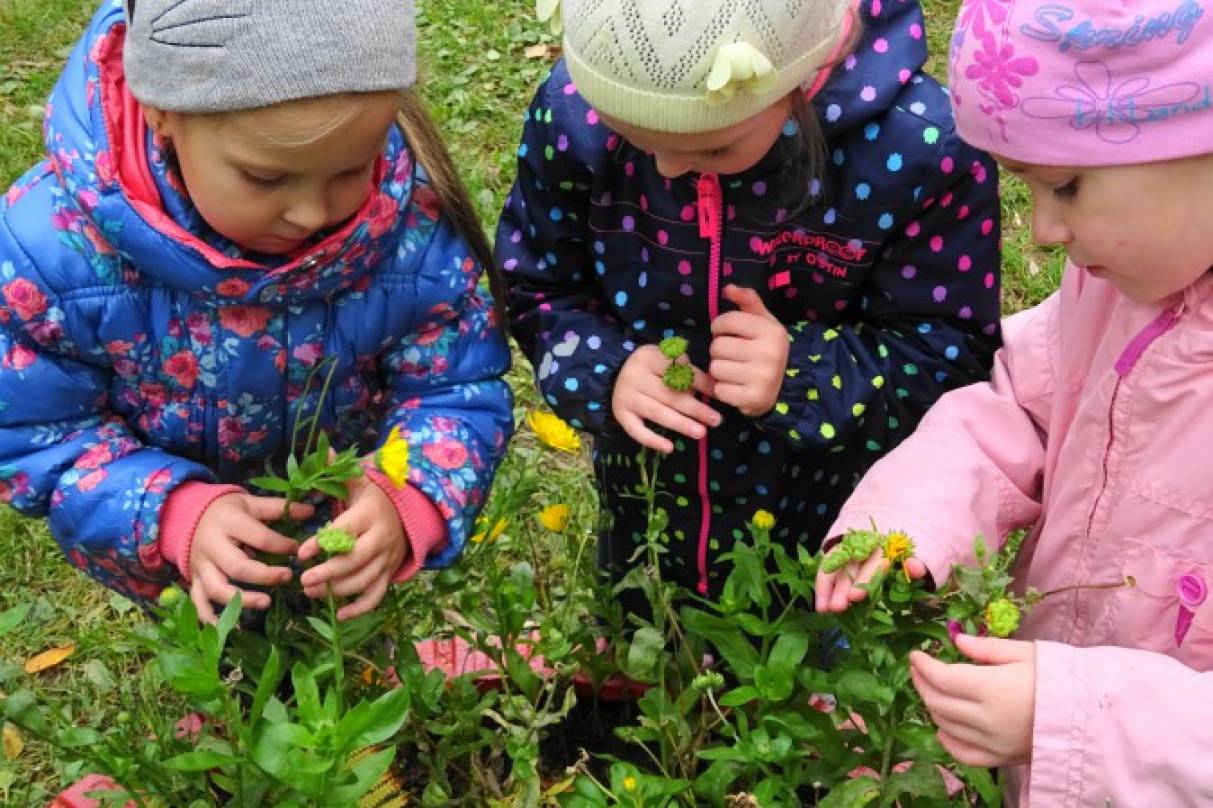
629	783
553	431
490	535
393	458
897	548
764	520
555	517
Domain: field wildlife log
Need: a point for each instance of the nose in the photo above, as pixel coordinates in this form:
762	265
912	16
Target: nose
308	212
1047	226
671	166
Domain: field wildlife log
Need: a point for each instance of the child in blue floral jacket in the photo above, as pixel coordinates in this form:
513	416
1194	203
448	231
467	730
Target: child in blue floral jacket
781	185
231	198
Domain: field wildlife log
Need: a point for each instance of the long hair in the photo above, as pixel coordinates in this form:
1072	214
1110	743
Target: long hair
428	147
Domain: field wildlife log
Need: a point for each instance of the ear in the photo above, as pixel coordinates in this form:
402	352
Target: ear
162	122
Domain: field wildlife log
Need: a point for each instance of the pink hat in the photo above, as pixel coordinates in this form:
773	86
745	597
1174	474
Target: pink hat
1084	82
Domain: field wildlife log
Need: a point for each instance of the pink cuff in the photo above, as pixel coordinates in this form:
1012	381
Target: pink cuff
424	527
180	516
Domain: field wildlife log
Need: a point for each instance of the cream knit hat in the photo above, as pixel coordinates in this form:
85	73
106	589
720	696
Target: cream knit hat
694	65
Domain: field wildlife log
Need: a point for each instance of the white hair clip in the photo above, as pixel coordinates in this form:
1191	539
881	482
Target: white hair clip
549	11
739	67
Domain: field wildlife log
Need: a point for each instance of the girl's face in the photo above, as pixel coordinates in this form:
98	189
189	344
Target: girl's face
1146	228
722	151
270	178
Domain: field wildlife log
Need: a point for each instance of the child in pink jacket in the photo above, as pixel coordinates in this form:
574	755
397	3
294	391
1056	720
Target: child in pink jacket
1096	429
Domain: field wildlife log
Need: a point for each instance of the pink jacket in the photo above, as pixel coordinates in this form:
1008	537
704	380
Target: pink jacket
1096	430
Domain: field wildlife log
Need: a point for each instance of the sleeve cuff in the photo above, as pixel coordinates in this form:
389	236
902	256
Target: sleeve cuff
424	528
179	519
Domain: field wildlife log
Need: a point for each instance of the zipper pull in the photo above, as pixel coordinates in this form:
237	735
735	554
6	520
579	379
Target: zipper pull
708	189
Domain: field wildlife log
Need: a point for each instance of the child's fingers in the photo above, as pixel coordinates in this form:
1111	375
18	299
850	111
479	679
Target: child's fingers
202	604
369	599
867	570
916	568
957	680
308	550
967	753
269	509
841	599
662	414
687	405
355	583
730	372
246	529
237	566
731	348
337	567
220	590
637	431
954	715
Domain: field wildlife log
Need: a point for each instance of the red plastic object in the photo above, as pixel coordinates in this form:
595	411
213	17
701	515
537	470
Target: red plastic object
74	797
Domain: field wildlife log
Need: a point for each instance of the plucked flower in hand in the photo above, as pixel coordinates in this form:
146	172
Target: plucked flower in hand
392	459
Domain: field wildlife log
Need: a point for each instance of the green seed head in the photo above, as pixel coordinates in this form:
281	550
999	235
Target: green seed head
170	595
334	540
679	377
673	347
1002	617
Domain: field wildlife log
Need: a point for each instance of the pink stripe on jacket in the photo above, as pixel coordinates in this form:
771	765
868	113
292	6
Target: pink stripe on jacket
1096	430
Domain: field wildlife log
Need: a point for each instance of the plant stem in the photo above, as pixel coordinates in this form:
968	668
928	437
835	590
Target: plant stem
338	660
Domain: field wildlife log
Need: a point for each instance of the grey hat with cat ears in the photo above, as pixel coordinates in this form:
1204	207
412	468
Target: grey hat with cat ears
226	55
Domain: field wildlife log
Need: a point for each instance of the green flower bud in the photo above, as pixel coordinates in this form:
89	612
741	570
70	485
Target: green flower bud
334	540
835	560
708	680
1002	617
170	595
673	347
679	377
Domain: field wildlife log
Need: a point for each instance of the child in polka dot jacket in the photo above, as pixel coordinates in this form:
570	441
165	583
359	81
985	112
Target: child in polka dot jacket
780	184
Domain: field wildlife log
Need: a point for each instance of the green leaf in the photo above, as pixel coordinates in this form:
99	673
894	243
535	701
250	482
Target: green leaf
77	736
273	744
644	651
322	627
331	487
377	722
227	622
200	760
920	780
775	685
788	652
921	739
851	794
983	782
861	687
272	484
740	696
12	618
737	650
307	694
22	709
366	772
292	467
267	684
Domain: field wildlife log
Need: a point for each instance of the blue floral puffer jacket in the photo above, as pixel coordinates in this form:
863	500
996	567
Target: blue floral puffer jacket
138	350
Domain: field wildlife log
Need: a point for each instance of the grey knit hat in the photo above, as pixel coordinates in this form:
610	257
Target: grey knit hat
694	65
224	55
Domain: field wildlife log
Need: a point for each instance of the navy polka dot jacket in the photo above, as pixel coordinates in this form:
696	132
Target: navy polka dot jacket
885	271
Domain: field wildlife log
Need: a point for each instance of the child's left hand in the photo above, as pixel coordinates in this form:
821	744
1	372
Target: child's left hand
379	550
749	354
984	712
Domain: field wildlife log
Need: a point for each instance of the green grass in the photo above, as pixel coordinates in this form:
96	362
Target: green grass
478	81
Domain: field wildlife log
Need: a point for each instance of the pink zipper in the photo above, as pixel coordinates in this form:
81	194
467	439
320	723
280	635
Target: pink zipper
711	226
1128	359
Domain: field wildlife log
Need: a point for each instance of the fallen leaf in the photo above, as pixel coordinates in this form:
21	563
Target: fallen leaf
1033	267
49	659
541	51
13	742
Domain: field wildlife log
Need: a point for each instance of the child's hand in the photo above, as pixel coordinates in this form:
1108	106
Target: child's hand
641	395
984	712
749	354
379	550
836	591
231	528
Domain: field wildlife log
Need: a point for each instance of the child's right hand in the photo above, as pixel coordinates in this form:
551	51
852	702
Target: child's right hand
836	591
231	528
641	395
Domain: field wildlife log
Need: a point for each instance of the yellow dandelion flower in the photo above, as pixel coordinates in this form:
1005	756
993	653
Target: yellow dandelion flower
490	535
764	520
555	517
393	458
897	548
553	431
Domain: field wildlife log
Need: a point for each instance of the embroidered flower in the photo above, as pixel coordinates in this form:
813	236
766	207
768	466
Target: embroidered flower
739	67
183	367
999	72
244	320
1114	107
446	453
973	13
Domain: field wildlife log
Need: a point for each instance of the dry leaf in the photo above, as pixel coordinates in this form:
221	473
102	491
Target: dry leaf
49	659
542	51
13	742
1033	267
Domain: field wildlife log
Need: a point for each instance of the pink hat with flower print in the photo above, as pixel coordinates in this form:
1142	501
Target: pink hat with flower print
1084	82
